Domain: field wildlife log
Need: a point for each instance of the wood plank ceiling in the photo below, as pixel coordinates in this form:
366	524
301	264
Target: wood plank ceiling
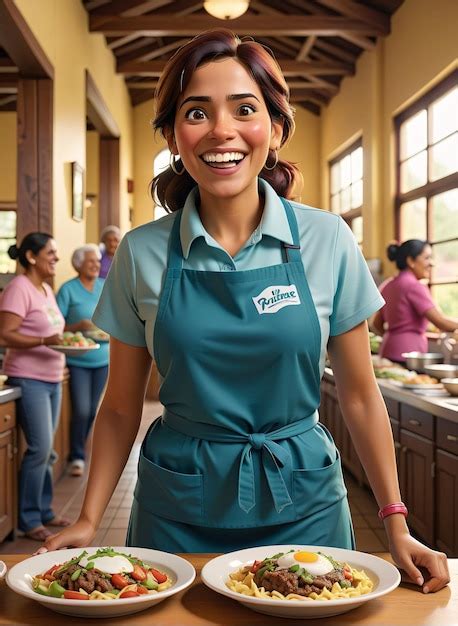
317	42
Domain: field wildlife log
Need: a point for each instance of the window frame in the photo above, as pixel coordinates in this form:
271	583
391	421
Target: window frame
351	214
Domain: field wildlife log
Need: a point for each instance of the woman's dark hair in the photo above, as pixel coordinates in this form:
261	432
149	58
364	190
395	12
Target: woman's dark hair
33	242
170	189
399	253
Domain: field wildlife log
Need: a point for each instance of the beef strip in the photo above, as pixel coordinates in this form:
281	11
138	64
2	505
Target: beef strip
89	580
287	582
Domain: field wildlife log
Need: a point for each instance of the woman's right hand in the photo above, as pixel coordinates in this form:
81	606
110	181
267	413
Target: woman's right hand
79	534
86	325
53	340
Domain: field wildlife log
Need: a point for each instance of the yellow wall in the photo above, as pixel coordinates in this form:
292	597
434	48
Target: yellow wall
419	51
8	157
303	149
92	186
61	28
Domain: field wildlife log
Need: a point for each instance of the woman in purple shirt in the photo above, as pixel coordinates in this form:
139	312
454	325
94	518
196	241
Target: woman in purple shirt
409	306
110	238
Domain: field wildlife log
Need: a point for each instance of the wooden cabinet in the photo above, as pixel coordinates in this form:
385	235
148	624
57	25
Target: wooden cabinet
8	471
446	487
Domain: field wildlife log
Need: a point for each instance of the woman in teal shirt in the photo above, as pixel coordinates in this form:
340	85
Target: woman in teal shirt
236	295
77	299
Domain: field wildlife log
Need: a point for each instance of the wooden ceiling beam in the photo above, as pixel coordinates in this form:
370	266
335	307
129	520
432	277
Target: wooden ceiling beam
306	48
310	106
304	86
129	8
362	42
360	11
290	67
335	51
122	41
277	25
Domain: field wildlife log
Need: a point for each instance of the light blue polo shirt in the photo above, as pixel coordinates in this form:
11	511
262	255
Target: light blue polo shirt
341	285
78	303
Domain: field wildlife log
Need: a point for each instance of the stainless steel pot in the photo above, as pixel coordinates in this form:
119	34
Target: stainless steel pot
419	360
451	384
442	370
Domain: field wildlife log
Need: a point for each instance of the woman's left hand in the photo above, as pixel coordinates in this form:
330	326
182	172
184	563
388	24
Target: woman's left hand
409	554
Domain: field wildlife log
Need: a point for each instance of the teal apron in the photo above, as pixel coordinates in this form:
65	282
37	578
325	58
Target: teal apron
238	457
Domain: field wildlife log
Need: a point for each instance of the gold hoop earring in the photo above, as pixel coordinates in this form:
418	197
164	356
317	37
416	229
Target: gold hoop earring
274	165
173	163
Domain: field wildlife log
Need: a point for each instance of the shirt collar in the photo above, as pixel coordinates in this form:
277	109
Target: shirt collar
274	222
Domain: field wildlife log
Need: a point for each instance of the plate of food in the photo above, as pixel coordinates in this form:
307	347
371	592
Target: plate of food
97	334
300	581
100	582
75	344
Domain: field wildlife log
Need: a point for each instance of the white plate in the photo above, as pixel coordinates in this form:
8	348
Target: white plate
399	383
385	576
2	569
19	579
97	335
74	350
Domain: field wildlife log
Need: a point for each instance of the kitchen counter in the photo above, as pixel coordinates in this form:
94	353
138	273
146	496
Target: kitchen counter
8	393
200	606
442	406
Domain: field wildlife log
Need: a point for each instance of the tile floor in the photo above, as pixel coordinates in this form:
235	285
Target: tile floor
69	491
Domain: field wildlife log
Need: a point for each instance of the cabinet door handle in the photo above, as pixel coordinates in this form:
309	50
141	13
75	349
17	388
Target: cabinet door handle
6	417
414	422
452	438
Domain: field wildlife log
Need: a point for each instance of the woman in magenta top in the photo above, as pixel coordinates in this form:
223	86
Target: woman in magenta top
409	306
30	320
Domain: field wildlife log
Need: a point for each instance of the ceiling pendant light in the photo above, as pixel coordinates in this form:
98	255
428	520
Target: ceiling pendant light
226	9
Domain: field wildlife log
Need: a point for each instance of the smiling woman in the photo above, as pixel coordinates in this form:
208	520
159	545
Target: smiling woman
237	294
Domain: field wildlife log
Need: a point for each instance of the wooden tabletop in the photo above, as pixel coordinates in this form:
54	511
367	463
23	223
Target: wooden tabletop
200	606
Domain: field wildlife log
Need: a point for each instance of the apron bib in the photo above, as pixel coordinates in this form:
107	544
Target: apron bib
239	445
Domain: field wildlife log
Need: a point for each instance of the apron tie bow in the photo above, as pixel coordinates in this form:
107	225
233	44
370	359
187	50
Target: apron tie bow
257	440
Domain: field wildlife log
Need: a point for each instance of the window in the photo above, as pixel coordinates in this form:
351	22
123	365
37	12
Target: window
346	187
7	239
427	184
161	163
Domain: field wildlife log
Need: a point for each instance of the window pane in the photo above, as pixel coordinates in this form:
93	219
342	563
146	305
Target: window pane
444	215
357	194
446	297
413	172
445	261
161	163
357	228
345	171
345	197
8	231
444	115
356	164
414	135
335	203
335	177
413	219
443	158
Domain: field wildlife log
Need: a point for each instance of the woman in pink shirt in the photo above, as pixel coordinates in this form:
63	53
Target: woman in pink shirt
409	306
30	320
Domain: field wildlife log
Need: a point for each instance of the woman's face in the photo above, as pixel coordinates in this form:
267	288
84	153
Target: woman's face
421	265
111	241
90	267
45	260
223	129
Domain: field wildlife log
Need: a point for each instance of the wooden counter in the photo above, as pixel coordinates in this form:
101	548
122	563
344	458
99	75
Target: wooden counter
200	606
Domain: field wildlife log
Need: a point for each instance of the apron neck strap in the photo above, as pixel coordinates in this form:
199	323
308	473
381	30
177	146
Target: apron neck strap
292	251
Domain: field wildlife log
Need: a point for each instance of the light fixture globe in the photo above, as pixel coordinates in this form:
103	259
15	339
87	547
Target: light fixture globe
226	9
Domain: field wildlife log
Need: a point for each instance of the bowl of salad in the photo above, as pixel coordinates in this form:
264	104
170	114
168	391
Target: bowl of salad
101	582
75	344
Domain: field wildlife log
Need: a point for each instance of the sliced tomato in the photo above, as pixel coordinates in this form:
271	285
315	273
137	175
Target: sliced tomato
256	565
119	581
347	574
141	590
129	594
75	595
51	571
159	576
138	573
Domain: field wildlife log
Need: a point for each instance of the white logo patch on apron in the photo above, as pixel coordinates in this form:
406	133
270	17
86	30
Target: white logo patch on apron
275	297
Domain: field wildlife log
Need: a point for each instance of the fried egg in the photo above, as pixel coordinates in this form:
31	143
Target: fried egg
314	563
111	564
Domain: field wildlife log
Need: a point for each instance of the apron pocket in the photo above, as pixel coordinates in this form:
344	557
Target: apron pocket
169	494
316	489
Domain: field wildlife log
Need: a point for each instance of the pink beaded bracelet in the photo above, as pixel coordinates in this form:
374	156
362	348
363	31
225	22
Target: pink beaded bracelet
390	509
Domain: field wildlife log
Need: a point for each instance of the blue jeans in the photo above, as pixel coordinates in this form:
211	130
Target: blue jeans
86	386
38	415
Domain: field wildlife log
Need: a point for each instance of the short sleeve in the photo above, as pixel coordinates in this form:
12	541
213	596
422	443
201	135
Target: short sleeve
63	300
116	312
356	296
15	299
420	298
